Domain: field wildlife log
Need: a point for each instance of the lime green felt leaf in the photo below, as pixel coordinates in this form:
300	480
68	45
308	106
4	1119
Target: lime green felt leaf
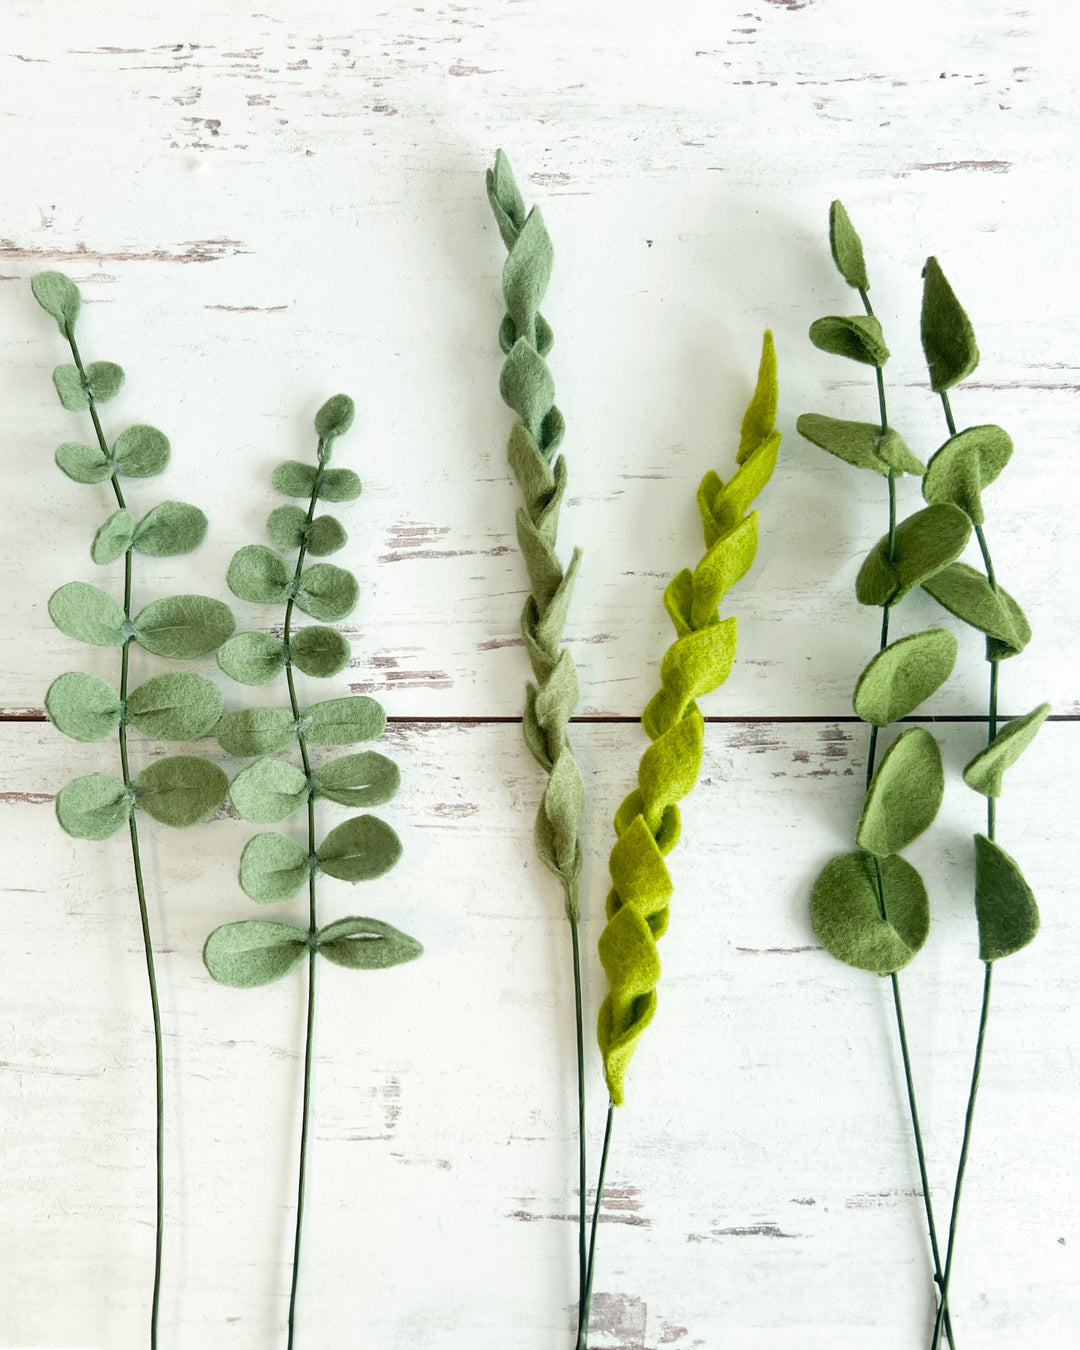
860	443
272	867
258	574
327	592
113	538
59	296
965	592
948	339
343	721
856	336
83	463
287	526
252	658
985	772
86	613
965	464
254	952
359	849
141	452
82	706
899	678
846	247
1004	905
366	944
183	626
105	379
70	388
760	417
295	479
339	485
179	706
319	652
170	528
846	912
180	790
335	417
904	794
925	543
93	807
255	731
364	779
268	791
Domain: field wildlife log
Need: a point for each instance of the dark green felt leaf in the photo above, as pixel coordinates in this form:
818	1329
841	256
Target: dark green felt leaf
364	779
360	849
180	706
985	772
904	794
925	544
268	791
59	296
846	248
70	388
82	706
339	485
105	378
180	790
964	465
252	658
255	731
170	528
327	592
965	592
93	807
258	574
113	538
183	626
948	339
320	652
86	613
272	867
860	443
366	944
1004	905
254	952
343	721
295	479
141	452
846	912
856	336
335	417
899	678
286	526
82	463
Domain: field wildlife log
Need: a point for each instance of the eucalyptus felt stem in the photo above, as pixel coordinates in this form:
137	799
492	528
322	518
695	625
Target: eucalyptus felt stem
179	789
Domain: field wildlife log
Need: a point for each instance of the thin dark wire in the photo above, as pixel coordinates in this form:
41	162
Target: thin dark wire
583	1323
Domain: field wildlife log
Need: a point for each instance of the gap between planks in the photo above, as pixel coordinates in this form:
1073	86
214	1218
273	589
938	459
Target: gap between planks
614	719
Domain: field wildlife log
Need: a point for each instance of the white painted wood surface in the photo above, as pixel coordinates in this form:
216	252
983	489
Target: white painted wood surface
264	208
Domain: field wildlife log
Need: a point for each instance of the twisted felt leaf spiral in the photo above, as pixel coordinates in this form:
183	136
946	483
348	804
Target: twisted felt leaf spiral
700	659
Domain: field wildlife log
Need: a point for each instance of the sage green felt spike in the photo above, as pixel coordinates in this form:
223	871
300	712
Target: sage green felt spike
364	779
268	791
905	673
856	336
948	339
1004	904
254	952
335	417
985	772
258	574
905	794
180	790
845	910
360	849
59	296
183	626
326	592
93	807
924	544
86	613
273	867
179	706
170	528
83	463
366	944
846	248
965	592
343	721
255	731
70	388
113	538
965	464
141	452
320	652
860	443
82	706
252	658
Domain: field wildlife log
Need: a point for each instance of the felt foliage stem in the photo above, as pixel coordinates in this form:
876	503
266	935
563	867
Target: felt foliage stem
178	789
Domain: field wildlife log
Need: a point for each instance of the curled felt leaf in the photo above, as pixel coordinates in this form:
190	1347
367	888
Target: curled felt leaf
856	336
846	247
252	658
965	592
273	867
335	417
366	944
343	721
170	528
254	952
83	463
268	791
141	452
359	849
93	807
905	794
327	592
258	574
905	673
364	779
71	388
1004	904
181	789
57	295
86	613
183	626
860	443
255	731
965	464
924	544
985	772
179	706
948	339
846	911
320	652
82	706
113	538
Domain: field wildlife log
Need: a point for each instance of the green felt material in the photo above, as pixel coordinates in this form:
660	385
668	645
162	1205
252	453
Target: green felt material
948	339
985	772
268	791
965	592
105	378
272	867
908	671
339	485
964	465
103	381
343	721
288	527
82	706
860	443
93	807
319	652
70	388
59	296
1004	905
326	592
925	543
113	538
364	779
179	706
335	417
181	789
83	463
846	912
255	731
254	952
846	248
170	528
258	574
295	479
325	534
141	452
183	626
759	419
86	613
359	849
252	658
905	794
856	336
366	944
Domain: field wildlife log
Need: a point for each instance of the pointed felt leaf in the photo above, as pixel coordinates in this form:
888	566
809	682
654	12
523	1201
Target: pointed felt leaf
183	626
893	451
948	339
272	867
335	417
327	592
859	443
181	789
965	592
359	849
93	807
180	706
141	452
847	912
964	465
170	528
364	779
925	543
59	296
1004	905
113	538
70	388
82	706
320	652
295	479
856	336
904	795
83	463
899	678
254	952
86	613
846	248
1000	649
255	731
105	379
252	658
366	944
258	574
268	791
984	773
343	721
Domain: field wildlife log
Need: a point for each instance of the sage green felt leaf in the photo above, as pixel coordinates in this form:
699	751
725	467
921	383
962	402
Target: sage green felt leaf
141	452
59	296
181	789
82	706
93	807
985	772
925	543
339	485
846	248
335	417
252	658
105	379
366	944
268	791
860	443
183	626
856	336
343	721
904	794
258	574
83	463
295	479
254	952
113	538
364	779
272	867
359	849
170	528
70	388
964	465
255	731
327	592
86	613
899	678
180	706
948	339
287	526
320	652
1004	905
326	534
965	592
846	912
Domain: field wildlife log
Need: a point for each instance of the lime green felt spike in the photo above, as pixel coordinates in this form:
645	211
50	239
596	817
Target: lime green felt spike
985	772
948	339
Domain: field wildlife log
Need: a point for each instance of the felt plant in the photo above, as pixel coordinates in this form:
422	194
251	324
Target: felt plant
647	823
177	706
275	866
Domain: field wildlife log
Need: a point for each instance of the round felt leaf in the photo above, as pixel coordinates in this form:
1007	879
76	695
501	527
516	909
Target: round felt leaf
366	944
141	452
899	678
985	772
268	791
359	849
113	538
365	779
335	417
70	388
339	485
254	952
342	721
252	658
170	528
183	626
320	652
965	592
1004	905
286	526
86	613
83	463
924	544
327	592
964	465
272	867
948	339
82	706
181	789
59	296
846	912
856	336
846	247
295	479
93	807
326	534
255	731
105	379
258	574
289	528
175	707
904	795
